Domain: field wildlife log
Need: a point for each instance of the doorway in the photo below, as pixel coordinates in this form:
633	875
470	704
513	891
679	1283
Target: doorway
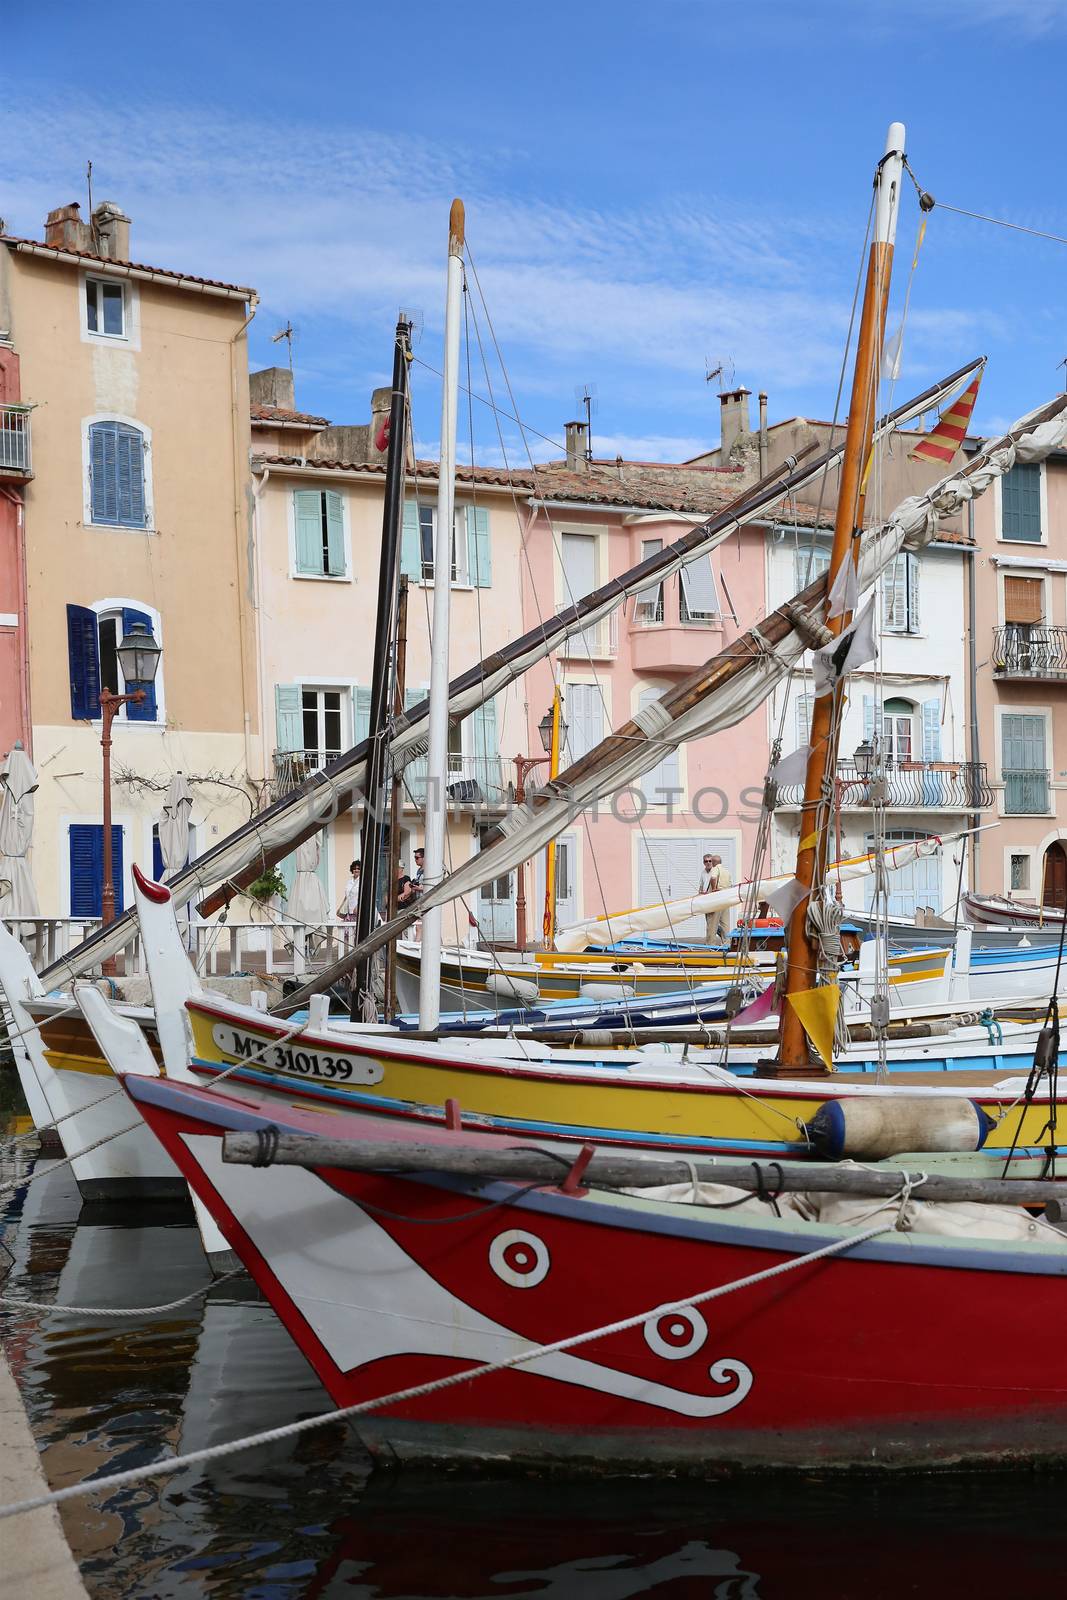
1054	877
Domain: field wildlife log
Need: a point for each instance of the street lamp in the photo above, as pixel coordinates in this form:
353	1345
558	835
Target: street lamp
863	756
544	728
863	759
138	654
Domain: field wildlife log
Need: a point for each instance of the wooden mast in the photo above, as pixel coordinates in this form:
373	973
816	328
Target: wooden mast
794	1055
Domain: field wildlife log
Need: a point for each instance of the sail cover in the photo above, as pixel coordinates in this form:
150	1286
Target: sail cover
330	791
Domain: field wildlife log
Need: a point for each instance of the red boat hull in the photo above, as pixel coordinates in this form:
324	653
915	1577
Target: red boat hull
903	1352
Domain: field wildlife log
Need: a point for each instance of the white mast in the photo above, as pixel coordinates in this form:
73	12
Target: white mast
437	758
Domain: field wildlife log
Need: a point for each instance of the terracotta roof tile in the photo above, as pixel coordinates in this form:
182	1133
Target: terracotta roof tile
43	251
268	414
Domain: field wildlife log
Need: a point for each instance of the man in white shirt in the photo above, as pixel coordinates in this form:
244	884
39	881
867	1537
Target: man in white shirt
715	876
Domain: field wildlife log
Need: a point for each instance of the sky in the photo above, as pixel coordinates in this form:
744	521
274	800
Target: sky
653	191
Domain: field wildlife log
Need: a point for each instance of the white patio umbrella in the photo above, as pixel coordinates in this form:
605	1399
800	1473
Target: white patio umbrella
174	834
307	900
18	785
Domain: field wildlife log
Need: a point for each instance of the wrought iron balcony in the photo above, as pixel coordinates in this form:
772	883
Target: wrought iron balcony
15	453
910	786
291	767
473	781
1027	793
1030	650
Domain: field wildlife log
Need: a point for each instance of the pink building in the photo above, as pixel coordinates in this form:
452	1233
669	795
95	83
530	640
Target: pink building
590	521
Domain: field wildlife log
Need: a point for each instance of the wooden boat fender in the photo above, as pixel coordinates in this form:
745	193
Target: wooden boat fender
870	1129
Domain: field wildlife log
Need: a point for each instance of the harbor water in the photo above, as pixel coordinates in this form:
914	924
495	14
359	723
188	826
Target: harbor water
307	1518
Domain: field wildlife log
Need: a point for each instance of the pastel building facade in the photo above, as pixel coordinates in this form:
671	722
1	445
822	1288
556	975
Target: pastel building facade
1020	678
136	508
591	521
317	534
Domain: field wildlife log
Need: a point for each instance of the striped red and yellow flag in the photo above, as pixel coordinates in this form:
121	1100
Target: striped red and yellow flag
943	440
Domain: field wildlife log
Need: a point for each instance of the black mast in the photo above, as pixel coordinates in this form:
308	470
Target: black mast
372	832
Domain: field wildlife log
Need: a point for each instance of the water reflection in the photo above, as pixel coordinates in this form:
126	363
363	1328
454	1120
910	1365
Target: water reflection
303	1519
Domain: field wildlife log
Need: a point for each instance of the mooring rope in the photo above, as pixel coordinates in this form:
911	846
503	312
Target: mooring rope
172	1464
10	1303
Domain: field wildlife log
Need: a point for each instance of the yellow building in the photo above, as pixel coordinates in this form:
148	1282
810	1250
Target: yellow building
139	510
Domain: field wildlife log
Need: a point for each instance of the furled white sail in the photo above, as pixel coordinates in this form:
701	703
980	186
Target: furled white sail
668	914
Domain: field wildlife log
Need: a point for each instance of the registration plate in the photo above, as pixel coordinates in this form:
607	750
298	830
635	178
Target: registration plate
237	1045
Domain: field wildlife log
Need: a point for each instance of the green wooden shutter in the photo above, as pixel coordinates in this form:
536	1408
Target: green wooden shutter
479	555
411	543
868	718
361	717
307	504
335	534
288	716
1020	504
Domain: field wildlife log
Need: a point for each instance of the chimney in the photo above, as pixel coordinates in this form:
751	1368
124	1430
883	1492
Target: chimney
762	434
272	386
111	231
577	446
65	229
734	421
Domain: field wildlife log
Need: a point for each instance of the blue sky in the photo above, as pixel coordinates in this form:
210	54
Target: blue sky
649	187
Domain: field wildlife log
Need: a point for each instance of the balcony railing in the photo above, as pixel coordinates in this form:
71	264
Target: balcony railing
472	781
600	642
291	767
910	785
15	455
1030	650
1026	794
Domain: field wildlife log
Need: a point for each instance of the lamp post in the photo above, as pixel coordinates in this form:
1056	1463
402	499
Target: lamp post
863	756
138	655
524	765
553	731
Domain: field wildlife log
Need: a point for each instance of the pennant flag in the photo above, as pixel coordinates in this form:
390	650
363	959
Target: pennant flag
817	1010
811	841
852	649
763	1006
945	438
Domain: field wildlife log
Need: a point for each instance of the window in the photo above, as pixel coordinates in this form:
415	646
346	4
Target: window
898	731
93	636
670	868
808	565
584	714
661	784
648	603
1018	871
900	594
803	706
911	886
699	597
105	307
471	551
578	559
321	710
318	515
86	859
1028	644
1020	505
1024	765
117	481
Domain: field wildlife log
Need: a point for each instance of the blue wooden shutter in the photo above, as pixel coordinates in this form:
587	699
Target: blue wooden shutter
932	730
103	472
868	718
129	451
1020	504
335	534
411	542
479	557
307	504
83	653
86	842
146	711
288	716
912	562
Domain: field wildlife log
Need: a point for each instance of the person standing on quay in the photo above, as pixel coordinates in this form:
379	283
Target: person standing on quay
715	876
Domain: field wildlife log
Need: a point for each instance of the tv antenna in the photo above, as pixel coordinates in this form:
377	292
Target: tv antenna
287	333
711	373
585	394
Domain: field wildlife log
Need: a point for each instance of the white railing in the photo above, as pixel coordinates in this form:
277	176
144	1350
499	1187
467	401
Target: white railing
218	949
15	453
600	642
